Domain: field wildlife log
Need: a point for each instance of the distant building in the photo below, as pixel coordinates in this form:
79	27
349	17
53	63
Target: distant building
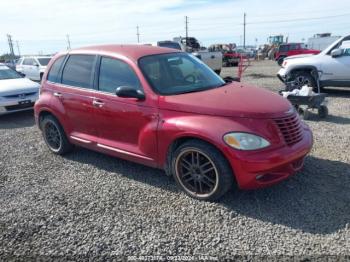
321	41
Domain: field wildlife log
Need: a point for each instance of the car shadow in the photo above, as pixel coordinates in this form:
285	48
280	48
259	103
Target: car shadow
343	93
330	119
317	200
17	120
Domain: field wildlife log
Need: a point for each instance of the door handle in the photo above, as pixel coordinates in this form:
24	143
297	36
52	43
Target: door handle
56	94
97	103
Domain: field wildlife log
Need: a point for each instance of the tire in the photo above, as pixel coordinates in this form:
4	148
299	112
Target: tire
302	78
280	61
304	113
201	171
54	136
323	111
218	71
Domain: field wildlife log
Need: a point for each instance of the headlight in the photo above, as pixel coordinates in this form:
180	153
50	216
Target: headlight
245	141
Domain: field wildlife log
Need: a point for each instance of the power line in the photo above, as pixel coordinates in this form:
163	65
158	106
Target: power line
68	42
298	19
19	53
244	25
186	28
9	38
138	34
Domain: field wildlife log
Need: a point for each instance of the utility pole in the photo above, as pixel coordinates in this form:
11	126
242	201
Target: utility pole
186	28
19	53
68	42
9	38
244	24
138	34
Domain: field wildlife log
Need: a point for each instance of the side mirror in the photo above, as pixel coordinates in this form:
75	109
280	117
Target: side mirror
35	64
129	92
337	52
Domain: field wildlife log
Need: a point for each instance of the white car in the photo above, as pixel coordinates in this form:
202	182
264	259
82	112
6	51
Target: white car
16	92
331	67
33	67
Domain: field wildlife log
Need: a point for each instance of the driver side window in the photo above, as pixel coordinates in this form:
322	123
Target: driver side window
115	73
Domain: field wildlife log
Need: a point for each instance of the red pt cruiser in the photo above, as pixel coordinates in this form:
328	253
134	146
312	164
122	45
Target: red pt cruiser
166	109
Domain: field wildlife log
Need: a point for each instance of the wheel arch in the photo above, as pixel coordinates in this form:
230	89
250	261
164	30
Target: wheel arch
176	142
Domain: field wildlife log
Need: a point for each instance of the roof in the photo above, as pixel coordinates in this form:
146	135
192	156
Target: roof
134	52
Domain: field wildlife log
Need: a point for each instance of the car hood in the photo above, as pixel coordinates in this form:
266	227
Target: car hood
299	56
19	85
232	100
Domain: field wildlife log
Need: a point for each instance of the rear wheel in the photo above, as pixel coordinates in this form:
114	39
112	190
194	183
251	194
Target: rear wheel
201	171
54	136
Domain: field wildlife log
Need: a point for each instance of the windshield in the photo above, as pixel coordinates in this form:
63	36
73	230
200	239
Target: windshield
170	45
7	73
178	73
44	61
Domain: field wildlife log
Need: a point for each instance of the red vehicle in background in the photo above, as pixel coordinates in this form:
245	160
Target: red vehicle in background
290	49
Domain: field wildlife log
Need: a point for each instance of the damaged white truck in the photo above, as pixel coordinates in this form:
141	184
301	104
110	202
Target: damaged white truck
331	67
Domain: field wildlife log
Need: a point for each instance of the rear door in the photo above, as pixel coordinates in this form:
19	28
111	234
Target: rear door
75	93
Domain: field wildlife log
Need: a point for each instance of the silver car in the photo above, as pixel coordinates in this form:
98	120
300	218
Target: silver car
16	92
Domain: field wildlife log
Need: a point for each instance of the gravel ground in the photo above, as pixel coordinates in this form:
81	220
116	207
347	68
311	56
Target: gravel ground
92	205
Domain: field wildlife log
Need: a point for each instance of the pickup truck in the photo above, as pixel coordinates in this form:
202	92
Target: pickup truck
211	59
331	67
291	49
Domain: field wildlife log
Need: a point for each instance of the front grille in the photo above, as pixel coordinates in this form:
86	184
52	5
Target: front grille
18	107
290	128
22	95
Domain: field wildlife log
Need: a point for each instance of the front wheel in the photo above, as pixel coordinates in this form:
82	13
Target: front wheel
304	78
201	171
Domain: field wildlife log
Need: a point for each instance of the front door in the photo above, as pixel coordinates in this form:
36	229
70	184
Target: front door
126	126
337	69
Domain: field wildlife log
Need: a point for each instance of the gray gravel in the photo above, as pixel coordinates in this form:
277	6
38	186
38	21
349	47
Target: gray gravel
93	205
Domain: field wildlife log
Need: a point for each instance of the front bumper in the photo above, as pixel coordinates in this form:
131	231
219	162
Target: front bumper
282	75
267	167
14	105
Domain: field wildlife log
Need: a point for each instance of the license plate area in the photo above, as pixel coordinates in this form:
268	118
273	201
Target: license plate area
24	102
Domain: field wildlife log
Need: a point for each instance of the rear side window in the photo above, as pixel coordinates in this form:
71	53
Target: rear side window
28	61
115	73
78	71
55	69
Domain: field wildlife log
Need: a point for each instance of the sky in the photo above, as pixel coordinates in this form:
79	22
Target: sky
42	26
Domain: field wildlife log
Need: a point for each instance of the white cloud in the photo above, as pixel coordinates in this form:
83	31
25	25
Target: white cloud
43	24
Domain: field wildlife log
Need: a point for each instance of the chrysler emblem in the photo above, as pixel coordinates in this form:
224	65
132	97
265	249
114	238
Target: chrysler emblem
22	96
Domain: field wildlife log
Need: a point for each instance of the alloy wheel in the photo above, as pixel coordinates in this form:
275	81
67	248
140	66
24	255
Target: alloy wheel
196	173
52	136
